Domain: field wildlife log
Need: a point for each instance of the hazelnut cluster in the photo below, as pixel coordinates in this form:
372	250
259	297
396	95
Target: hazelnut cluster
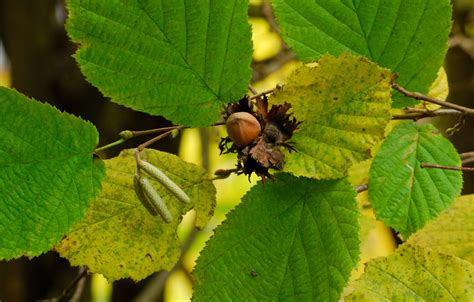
258	135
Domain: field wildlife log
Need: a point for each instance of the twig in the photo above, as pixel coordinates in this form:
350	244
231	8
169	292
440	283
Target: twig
419	96
361	188
268	13
129	134
74	290
79	290
467	160
256	11
264	93
263	68
116	143
418	113
466	155
157	138
252	90
467	169
154	289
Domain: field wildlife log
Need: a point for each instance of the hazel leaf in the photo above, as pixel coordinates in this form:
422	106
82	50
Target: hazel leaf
408	37
48	174
415	274
180	59
344	106
403	194
296	239
452	232
117	223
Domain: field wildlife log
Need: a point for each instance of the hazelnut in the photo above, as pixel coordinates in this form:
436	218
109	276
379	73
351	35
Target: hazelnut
242	128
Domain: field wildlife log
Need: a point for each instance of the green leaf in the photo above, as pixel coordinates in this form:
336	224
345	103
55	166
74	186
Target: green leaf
404	195
344	104
415	274
48	174
118	237
179	59
408	37
296	239
452	232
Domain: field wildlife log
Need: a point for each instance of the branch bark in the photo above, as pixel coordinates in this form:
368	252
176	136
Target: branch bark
419	96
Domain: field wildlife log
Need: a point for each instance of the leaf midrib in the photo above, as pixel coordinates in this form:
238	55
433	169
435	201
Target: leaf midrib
190	67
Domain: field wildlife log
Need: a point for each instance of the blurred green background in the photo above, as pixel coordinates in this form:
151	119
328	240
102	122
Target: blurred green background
35	58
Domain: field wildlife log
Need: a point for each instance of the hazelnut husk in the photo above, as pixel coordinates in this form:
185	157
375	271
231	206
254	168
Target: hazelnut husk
258	136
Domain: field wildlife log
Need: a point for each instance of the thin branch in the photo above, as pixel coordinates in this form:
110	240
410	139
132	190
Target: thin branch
466	155
467	160
252	90
418	113
129	134
157	138
263	68
264	93
419	96
116	143
268	14
74	290
256	11
467	169
154	289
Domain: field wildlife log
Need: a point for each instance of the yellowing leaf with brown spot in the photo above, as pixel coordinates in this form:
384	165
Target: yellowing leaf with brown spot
118	237
344	104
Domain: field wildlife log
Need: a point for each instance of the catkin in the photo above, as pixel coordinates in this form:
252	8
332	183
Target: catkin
155	199
142	197
164	180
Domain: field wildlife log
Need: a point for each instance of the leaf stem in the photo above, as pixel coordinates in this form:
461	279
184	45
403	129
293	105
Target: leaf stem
116	143
427	165
419	96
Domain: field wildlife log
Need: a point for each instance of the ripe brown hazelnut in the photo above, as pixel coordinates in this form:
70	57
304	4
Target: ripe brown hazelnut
242	128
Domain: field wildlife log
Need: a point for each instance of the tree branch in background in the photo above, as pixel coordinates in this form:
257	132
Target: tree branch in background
72	293
463	42
263	68
155	288
270	17
467	157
